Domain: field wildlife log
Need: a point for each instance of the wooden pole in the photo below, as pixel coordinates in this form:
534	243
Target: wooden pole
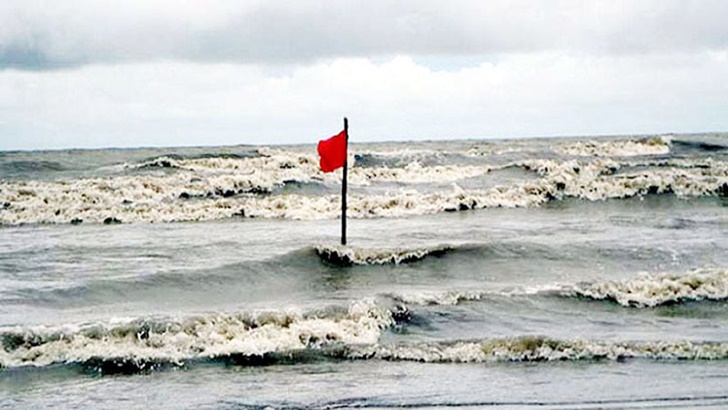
343	185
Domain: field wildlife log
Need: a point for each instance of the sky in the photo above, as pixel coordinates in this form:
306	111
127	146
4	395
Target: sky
126	73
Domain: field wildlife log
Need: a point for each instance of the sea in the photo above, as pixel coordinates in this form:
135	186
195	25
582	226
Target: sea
552	273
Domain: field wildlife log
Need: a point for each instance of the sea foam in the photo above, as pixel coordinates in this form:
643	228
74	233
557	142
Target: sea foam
134	345
539	349
646	290
348	255
650	290
617	148
200	189
144	341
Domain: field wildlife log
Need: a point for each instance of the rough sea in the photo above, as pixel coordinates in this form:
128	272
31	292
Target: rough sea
575	273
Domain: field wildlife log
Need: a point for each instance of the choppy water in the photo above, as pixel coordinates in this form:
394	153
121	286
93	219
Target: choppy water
554	273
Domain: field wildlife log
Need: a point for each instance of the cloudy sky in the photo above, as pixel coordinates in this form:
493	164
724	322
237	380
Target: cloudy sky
169	73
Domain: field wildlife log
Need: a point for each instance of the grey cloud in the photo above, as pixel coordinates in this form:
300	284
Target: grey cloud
50	35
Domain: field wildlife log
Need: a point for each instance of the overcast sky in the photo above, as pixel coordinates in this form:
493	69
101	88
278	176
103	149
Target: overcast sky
170	73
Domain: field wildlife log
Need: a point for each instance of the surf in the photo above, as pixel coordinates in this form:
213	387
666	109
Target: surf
349	256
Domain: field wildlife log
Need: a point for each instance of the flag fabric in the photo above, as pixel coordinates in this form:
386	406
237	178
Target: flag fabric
332	152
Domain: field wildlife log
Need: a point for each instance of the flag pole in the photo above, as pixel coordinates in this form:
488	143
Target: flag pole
343	184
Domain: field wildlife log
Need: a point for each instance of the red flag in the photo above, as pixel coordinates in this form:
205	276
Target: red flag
333	152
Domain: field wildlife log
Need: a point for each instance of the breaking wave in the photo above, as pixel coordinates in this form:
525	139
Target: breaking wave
398	158
221	187
143	349
650	290
348	256
539	349
271	337
617	148
144	343
354	332
452	297
644	291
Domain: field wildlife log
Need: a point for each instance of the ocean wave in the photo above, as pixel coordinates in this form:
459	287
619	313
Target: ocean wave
348	255
291	336
27	166
644	291
539	349
598	180
416	173
522	349
144	200
352	333
617	148
221	188
645	164
495	149
650	290
164	161
458	296
272	166
427	298
142	343
700	145
398	158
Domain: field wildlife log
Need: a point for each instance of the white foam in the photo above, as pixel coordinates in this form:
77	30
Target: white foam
349	255
645	290
406	153
649	290
275	166
617	148
220	188
193	338
458	296
416	173
425	298
595	180
147	201
530	349
486	149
